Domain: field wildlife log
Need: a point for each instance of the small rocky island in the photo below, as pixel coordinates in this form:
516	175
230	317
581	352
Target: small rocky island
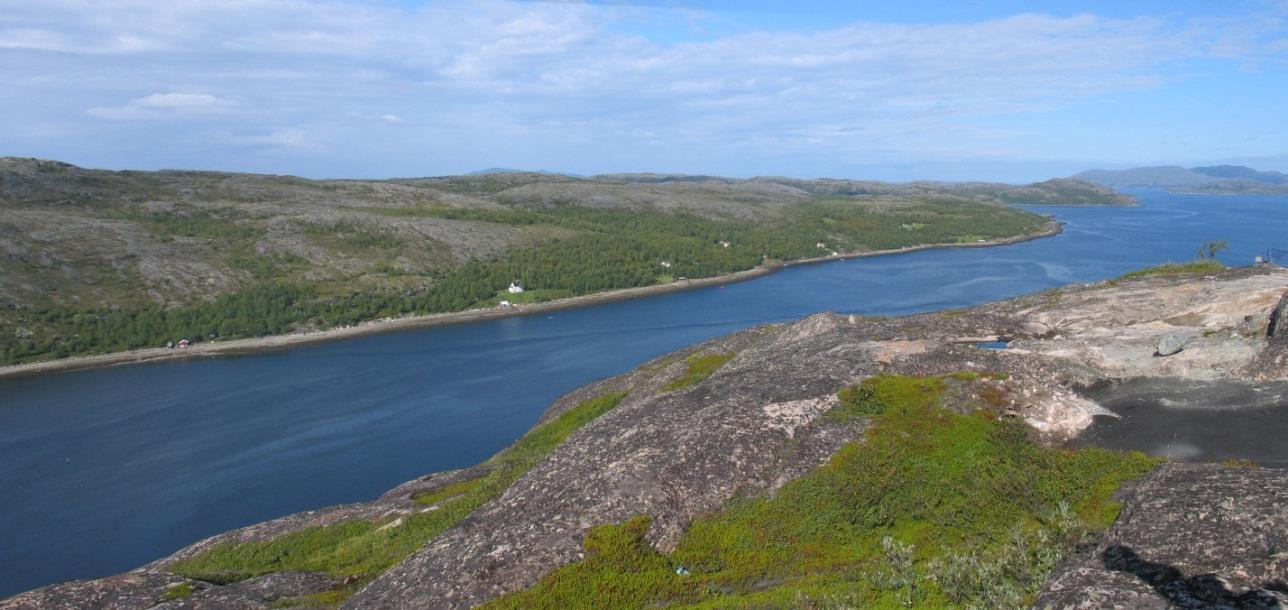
682	482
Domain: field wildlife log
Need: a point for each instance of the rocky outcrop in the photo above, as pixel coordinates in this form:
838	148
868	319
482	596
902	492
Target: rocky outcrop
1190	536
756	423
1277	322
674	455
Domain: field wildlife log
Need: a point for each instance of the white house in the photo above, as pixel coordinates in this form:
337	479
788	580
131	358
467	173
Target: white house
725	243
515	288
666	264
505	304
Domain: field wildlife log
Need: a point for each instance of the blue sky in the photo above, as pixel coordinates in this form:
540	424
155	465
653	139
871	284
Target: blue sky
898	91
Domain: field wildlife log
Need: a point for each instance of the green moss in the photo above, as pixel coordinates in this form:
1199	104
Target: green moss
698	367
1170	269
876	394
326	599
179	591
363	549
933	510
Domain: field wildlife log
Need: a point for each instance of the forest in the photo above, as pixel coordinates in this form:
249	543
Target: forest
599	249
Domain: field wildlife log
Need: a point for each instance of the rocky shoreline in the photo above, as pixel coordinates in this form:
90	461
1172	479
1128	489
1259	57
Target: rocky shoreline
389	325
1210	536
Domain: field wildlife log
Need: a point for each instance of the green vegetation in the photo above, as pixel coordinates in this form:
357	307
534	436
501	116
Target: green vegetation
179	591
354	236
1171	269
361	549
697	368
1210	248
587	250
265	309
526	297
192	223
933	510
326	599
1204	262
874	396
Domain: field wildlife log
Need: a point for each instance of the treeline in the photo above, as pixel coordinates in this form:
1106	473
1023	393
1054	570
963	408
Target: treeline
262	309
608	249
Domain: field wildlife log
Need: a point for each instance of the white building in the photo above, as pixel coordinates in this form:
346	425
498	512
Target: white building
515	288
666	264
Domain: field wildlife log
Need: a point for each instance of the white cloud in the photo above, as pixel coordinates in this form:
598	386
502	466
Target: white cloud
563	75
160	106
278	138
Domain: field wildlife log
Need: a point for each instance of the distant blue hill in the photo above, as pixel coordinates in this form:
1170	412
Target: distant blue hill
510	170
1215	179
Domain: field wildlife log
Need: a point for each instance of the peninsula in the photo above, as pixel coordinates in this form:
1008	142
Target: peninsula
100	262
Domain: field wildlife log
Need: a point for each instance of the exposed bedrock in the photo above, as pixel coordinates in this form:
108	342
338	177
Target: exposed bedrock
1190	536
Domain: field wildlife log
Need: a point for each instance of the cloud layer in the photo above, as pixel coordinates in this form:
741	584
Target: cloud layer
363	88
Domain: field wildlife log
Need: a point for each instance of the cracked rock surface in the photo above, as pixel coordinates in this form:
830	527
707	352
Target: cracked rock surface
1190	536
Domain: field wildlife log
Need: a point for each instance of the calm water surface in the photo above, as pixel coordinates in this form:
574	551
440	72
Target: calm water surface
101	471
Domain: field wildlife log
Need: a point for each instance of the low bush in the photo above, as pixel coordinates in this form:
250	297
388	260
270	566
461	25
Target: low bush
932	510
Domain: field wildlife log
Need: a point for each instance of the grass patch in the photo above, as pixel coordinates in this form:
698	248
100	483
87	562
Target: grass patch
363	549
877	394
1169	269
933	510
527	297
179	591
698	368
192	222
326	599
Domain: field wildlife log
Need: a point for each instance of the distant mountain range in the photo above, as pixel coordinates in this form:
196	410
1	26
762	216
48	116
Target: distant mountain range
1215	179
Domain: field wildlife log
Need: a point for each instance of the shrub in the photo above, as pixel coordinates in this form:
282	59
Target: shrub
698	367
933	509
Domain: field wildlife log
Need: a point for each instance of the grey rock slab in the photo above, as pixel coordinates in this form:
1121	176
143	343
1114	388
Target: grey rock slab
1190	536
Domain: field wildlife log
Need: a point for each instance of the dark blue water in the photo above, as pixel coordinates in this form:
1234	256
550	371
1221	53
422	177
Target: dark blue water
101	471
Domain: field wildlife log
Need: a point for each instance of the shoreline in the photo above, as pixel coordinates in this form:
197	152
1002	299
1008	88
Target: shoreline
387	325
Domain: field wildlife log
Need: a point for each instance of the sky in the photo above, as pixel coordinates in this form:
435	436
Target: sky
967	90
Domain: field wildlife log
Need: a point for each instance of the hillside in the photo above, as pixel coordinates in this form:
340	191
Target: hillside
1217	179
98	261
831	462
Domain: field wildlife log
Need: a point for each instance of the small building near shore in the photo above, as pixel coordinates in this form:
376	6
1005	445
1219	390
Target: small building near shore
515	288
183	343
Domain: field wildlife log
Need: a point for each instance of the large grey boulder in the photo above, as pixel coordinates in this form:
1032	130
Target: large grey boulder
1278	327
1173	343
1190	536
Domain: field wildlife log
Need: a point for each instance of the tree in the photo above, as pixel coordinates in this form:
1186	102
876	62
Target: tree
1210	248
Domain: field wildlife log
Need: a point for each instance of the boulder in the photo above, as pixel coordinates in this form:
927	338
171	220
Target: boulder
1172	344
1190	536
1278	326
1036	329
